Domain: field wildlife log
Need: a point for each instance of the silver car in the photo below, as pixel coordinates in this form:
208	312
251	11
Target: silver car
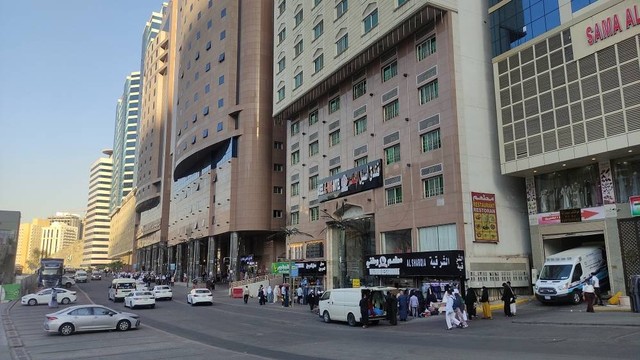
89	318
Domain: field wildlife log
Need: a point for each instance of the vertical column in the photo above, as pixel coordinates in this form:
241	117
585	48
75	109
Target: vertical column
179	269
233	254
196	259
189	259
211	256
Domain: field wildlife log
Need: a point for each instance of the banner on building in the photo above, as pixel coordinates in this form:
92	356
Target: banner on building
361	178
485	217
436	264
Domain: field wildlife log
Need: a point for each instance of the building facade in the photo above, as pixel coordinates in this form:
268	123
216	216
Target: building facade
391	148
56	237
568	110
122	231
96	227
69	219
224	207
9	227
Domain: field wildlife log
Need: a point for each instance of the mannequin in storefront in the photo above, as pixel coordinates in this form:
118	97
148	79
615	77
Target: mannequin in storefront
575	195
544	201
566	197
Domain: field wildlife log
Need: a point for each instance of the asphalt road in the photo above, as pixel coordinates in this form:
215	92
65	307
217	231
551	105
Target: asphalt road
232	330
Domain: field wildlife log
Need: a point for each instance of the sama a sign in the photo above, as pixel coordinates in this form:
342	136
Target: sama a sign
431	263
361	178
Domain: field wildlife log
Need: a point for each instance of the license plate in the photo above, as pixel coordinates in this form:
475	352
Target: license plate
547	297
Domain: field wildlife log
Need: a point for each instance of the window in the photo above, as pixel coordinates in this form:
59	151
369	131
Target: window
314	215
360	161
314	148
282	7
391	110
281	64
342	8
295	218
318	29
396	241
360	125
392	154
428	92
438	238
281	93
223	34
208	46
221	80
297	80
221	58
295	251
334	104
295	189
402	2
359	89
342	44
209	24
334	171
205	110
295	157
316	2
313	117
426	48
207	88
220	103
394	195
278	167
313	182
223	12
295	128
298	17
205	133
431	140
318	63
277	214
278	145
334	138
278	190
433	186
389	71
370	21
282	35
198	35
298	48
207	67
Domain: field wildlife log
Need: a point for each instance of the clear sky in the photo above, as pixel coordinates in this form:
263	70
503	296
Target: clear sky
62	69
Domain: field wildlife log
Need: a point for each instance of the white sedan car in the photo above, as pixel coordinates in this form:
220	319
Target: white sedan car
197	296
140	298
43	296
163	292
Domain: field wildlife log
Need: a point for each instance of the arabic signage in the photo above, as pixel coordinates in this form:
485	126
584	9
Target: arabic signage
570	215
361	178
634	203
586	214
485	218
302	268
431	263
280	268
604	29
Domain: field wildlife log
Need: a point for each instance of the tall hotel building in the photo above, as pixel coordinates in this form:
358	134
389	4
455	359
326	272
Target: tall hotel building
96	225
392	162
567	85
227	197
57	236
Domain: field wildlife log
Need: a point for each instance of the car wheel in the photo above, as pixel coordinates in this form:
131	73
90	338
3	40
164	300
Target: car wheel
576	297
32	302
123	325
351	320
65	301
67	285
66	329
326	317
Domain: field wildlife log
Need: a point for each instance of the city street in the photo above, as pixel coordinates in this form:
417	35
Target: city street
232	330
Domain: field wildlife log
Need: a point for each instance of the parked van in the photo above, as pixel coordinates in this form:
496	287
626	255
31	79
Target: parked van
344	304
81	276
564	273
119	288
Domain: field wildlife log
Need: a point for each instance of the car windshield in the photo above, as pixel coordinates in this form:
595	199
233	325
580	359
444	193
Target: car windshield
202	291
126	285
144	293
555	272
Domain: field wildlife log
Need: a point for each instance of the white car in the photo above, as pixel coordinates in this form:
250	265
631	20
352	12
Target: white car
196	296
163	292
43	296
89	318
140	298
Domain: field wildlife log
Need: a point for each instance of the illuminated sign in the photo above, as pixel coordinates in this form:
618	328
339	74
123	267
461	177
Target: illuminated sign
361	178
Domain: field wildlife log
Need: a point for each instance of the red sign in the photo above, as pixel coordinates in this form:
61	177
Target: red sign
612	25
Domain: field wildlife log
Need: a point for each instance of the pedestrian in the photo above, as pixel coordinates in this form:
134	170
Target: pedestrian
269	294
470	300
262	299
245	294
364	310
413	304
450	318
596	286
392	308
459	309
507	297
311	299
276	293
589	294
403	305
486	306
299	294
285	295
53	303
512	305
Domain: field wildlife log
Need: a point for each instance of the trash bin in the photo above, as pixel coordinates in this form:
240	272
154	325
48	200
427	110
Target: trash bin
634	293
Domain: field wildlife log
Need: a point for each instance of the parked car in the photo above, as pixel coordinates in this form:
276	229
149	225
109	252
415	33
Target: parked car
89	318
344	304
43	296
67	282
163	292
96	275
197	296
81	276
140	298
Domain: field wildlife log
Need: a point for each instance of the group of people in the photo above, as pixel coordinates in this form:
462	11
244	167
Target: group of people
591	292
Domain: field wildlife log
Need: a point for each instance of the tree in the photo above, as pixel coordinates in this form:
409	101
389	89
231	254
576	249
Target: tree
33	263
116	266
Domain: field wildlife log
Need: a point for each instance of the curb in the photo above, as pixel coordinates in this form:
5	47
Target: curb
17	350
574	324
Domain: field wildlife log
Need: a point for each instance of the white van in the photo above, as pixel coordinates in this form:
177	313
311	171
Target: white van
564	273
344	304
81	276
119	288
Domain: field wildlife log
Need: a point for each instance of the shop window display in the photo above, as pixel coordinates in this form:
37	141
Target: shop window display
568	189
626	178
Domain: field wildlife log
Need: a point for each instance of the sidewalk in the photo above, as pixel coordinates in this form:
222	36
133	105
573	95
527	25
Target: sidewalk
10	344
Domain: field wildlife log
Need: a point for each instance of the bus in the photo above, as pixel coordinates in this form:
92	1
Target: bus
50	272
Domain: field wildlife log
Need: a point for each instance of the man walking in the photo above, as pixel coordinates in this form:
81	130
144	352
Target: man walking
245	293
364	311
596	287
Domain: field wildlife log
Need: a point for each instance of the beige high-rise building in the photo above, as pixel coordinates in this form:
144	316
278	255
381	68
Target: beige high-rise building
57	236
30	240
69	219
22	251
96	229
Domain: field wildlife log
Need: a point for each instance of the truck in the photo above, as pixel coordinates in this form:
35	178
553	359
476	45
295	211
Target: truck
564	274
50	272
